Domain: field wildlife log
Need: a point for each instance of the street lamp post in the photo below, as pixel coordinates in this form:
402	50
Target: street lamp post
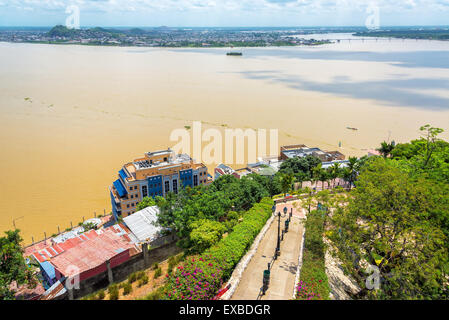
278	246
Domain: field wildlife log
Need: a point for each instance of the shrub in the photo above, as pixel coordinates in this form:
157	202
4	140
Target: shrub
206	233
171	263
157	273
232	248
113	292
200	278
132	277
156	295
127	288
307	292
101	295
143	280
91	296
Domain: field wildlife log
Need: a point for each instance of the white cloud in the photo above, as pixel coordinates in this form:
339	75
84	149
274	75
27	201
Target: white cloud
108	5
284	12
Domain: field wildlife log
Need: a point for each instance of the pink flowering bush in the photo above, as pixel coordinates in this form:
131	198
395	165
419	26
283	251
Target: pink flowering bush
199	278
308	291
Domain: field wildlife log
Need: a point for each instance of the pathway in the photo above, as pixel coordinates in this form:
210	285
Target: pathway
283	271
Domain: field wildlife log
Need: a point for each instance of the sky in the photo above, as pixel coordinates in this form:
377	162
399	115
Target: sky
225	13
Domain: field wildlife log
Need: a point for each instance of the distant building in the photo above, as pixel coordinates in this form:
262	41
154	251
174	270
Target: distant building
343	163
222	170
156	174
301	150
239	173
267	166
142	225
372	153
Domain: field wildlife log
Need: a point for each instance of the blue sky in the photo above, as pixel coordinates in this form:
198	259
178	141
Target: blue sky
224	12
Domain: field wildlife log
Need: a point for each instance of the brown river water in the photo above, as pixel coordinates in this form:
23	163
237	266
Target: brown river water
71	116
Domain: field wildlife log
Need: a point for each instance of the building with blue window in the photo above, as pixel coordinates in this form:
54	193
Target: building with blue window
156	174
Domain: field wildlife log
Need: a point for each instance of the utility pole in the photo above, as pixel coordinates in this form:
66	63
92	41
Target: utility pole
14	222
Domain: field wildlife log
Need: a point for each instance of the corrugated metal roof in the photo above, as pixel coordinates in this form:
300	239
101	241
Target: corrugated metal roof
142	225
92	253
49	269
54	291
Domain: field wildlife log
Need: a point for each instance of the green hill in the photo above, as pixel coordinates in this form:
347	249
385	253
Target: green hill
62	31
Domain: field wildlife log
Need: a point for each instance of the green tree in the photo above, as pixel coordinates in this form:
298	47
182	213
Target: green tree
388	224
335	172
307	201
431	137
145	203
12	265
386	149
350	173
286	183
205	233
302	166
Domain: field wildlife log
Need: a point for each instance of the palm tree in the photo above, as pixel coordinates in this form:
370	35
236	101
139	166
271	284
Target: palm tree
386	148
335	172
316	173
324	176
352	167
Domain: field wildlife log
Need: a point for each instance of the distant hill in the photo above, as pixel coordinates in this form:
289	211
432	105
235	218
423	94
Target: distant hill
137	31
62	31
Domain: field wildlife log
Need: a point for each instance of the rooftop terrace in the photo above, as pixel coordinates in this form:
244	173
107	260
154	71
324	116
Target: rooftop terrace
172	159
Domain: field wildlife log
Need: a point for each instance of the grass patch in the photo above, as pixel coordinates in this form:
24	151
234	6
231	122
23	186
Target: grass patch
313	283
